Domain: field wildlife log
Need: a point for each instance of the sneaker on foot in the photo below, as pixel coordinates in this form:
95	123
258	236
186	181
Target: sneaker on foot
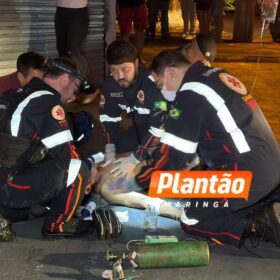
264	225
6	233
74	228
106	223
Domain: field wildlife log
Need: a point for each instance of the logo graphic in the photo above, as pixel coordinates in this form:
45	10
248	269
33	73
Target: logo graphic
233	83
200	184
141	96
58	113
160	105
175	113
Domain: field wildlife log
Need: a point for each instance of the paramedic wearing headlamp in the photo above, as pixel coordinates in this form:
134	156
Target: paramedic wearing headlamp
55	174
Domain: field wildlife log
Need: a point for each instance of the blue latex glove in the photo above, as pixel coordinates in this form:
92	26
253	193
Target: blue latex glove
110	154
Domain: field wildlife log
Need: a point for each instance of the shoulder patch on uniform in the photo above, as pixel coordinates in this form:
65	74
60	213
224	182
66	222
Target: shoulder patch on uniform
102	101
160	105
233	83
175	113
141	96
58	113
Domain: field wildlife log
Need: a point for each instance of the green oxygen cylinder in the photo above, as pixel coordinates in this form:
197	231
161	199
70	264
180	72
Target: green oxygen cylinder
181	254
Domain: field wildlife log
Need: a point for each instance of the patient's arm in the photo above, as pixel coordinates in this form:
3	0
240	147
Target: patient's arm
133	199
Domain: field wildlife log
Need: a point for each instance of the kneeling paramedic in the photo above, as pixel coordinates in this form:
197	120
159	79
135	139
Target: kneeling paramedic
215	115
39	164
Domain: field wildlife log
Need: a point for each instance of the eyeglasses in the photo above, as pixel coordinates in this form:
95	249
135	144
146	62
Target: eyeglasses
77	85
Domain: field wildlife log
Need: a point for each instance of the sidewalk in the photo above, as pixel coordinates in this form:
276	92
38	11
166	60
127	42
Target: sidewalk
256	64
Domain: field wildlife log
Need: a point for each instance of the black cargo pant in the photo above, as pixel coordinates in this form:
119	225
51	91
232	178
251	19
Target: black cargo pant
155	7
224	220
44	184
71	28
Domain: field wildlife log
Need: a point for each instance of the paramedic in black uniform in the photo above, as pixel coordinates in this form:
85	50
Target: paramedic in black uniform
59	179
129	89
215	115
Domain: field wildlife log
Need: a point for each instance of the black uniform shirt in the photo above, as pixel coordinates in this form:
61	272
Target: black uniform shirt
41	117
215	115
142	100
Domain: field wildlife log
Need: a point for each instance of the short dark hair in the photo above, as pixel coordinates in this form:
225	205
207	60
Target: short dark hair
30	60
120	51
167	58
59	66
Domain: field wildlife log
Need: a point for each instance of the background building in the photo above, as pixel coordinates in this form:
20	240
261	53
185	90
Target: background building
29	25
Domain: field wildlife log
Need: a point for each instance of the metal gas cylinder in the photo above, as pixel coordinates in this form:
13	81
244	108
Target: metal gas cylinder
181	254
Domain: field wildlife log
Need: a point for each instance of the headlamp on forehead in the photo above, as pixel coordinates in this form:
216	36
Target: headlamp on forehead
85	86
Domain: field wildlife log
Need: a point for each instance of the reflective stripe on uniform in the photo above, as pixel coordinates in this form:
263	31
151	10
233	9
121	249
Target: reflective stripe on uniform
151	78
125	108
57	139
74	168
178	143
231	127
223	113
156	131
106	118
142	111
16	117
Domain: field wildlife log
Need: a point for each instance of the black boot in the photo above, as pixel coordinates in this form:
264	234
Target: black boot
74	228
106	223
264	225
